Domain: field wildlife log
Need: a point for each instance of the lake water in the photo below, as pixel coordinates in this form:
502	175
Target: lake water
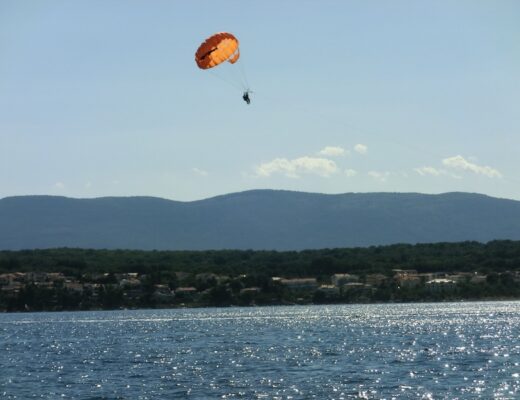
394	351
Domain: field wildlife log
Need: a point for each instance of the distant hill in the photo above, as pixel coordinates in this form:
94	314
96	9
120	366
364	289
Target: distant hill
257	219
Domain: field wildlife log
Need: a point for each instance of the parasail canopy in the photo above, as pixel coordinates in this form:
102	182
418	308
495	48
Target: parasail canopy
216	49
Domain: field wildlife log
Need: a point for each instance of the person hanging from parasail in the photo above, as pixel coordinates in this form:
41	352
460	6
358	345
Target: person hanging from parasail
245	96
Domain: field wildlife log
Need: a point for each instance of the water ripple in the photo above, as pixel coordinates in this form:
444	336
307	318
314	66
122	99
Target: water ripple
404	351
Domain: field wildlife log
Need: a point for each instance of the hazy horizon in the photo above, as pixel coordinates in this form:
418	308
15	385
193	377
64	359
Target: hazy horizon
253	190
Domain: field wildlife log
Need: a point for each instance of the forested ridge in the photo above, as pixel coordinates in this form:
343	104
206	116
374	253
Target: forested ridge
256	219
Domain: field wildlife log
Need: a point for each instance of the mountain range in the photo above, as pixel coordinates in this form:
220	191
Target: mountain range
256	219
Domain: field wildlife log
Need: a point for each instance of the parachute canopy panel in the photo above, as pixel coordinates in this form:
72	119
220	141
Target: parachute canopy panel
217	49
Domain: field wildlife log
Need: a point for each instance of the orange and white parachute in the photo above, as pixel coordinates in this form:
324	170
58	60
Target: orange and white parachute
220	48
216	49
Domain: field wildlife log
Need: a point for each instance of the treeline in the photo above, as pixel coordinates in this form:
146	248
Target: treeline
84	279
486	258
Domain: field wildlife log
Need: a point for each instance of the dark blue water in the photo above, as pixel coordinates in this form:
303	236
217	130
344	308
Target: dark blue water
406	351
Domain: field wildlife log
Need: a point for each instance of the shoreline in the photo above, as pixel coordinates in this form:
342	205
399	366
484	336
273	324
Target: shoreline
207	306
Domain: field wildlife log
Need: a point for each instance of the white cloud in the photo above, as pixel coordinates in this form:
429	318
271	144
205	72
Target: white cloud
88	185
361	148
332	151
381	176
460	163
351	172
59	185
199	171
423	171
293	168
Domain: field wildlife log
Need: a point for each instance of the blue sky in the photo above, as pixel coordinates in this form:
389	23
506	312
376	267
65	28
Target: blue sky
103	98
